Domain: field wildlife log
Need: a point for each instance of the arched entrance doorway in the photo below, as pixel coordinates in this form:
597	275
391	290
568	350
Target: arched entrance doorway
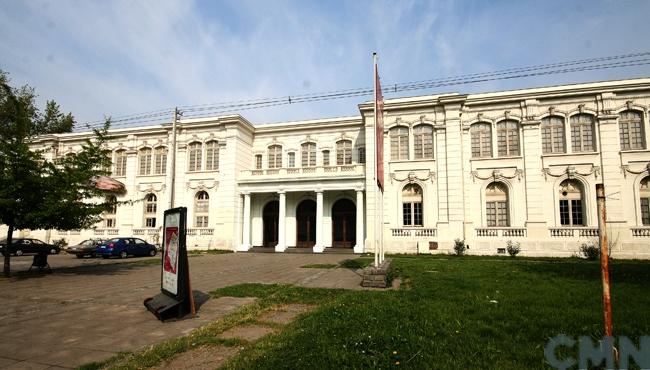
270	221
306	224
344	224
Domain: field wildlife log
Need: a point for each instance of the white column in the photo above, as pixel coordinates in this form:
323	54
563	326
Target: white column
319	248
282	243
360	221
246	226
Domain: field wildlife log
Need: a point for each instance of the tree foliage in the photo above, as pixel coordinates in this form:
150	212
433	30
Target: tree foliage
37	192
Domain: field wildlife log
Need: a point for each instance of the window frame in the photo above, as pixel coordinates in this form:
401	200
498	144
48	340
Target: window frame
625	130
508	129
550	126
150	210
567	204
120	163
201	209
343	152
194	156
412	207
274	156
422	146
481	138
582	127
308	154
212	155
160	160
399	143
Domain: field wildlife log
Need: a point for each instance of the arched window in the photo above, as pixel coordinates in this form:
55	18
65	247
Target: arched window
160	160
150	208
399	143
275	156
212	156
145	161
553	134
412	205
571	203
201	209
496	205
343	152
582	133
120	163
508	138
423	141
644	194
109	214
308	154
630	127
291	159
195	151
481	134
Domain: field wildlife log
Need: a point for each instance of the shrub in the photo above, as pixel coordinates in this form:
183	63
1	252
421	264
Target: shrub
513	248
61	243
589	251
459	247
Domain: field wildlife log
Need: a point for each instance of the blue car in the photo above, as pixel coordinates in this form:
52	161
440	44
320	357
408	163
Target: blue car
124	247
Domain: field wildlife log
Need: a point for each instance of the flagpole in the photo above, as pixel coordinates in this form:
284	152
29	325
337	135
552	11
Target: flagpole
374	133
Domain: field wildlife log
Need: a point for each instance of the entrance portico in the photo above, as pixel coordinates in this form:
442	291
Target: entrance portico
325	216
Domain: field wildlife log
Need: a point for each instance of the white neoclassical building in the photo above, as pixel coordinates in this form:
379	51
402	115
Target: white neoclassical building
488	168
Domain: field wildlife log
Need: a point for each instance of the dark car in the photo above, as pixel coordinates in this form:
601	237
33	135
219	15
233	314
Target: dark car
85	248
20	246
124	247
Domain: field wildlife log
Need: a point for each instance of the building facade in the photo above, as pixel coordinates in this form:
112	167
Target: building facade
489	168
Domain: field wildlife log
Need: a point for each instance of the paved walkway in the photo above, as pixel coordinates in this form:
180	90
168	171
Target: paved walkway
94	310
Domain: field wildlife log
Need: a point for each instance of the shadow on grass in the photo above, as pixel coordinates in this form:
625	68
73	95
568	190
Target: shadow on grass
630	272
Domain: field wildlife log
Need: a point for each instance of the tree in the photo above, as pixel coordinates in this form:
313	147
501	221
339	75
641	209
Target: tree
37	193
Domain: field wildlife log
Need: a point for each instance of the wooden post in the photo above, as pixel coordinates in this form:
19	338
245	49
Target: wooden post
604	258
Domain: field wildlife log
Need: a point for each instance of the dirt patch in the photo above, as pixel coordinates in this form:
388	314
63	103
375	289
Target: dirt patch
249	333
286	313
206	357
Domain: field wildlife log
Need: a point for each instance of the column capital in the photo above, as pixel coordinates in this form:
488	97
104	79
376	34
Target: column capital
245	192
358	190
318	190
281	192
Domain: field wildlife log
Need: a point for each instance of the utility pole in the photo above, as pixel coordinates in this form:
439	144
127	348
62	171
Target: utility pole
604	257
173	158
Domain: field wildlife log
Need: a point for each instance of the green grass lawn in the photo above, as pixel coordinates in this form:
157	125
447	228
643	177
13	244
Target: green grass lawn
451	312
469	312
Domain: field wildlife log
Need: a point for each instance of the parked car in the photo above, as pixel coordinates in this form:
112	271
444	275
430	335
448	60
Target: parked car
20	246
124	247
85	248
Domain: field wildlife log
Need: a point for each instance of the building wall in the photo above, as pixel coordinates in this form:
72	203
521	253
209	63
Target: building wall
453	182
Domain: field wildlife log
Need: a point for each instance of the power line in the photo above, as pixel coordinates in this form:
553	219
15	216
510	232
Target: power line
205	110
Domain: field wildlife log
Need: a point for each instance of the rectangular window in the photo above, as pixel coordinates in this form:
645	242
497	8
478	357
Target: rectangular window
212	156
160	161
502	214
362	155
645	211
145	162
576	211
308	153
120	163
109	223
326	157
291	160
406	214
491	214
417	214
201	221
150	222
195	157
258	161
564	213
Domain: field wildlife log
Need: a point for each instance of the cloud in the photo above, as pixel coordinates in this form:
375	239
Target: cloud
123	57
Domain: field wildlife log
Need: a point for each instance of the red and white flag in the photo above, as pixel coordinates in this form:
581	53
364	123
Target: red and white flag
379	130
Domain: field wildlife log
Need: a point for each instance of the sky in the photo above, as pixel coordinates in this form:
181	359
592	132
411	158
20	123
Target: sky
100	58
